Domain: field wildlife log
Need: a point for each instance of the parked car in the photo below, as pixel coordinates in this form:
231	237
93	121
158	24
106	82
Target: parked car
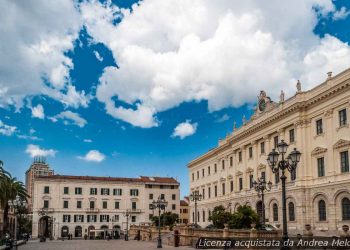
210	226
268	227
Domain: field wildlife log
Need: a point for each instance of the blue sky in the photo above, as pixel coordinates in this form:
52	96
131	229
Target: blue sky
158	75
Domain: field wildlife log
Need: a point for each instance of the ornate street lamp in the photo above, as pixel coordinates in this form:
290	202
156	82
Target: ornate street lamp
127	214
290	163
195	196
261	186
15	204
161	205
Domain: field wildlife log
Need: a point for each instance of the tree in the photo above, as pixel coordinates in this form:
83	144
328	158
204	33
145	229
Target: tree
220	216
166	219
243	218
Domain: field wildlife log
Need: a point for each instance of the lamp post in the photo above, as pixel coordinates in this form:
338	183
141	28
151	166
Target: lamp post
290	163
261	186
159	204
195	196
127	214
15	204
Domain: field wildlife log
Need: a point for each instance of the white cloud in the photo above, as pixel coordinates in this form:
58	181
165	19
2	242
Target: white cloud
341	14
98	56
223	118
93	155
38	112
7	129
87	140
69	117
185	129
29	137
35	150
222	51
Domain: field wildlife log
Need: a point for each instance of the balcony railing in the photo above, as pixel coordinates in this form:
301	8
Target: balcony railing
134	210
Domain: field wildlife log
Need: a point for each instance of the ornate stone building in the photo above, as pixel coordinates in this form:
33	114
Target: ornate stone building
316	123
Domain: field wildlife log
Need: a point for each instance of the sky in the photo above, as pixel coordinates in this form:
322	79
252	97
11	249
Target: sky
128	88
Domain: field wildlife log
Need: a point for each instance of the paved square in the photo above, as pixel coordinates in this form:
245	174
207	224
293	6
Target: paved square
94	244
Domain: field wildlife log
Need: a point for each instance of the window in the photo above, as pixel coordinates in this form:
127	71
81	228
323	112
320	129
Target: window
342	117
104	191
92	204
78	218
46	190
117	191
262	148
275	212
133	218
250	150
293	175
162	196
66	190
277	177
173	206
192	176
215	191
66	218
344	161
203	172
291	136
203	216
322	213
151	196
291	211
197	175
209	170
46	204
104	204
240	156
251	181
65	204
223	164
133	205
209	193
345	205
91	218
275	142
231	186
104	218
78	204
93	191
319	127
78	190
116	205
320	166
150	216
231	161
134	192
223	188
215	168
263	175
116	217
203	193
173	197
240	183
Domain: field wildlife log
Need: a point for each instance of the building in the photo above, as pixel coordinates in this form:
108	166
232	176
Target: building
38	168
97	206
184	211
316	123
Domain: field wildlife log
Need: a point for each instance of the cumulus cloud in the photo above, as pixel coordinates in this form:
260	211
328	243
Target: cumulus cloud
69	117
93	156
35	150
341	14
87	140
38	111
98	56
223	118
169	52
7	129
185	129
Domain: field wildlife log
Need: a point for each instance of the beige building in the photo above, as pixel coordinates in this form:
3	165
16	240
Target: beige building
316	123
96	206
184	217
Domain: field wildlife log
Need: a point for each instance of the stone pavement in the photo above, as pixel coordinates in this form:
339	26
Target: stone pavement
94	244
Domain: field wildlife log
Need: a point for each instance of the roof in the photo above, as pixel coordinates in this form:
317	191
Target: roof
141	179
183	203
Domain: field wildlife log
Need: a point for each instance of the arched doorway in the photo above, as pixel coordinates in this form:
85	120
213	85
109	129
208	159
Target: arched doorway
78	232
259	210
116	232
104	232
91	232
64	232
45	227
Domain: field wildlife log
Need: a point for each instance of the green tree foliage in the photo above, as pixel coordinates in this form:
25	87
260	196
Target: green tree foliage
243	218
166	219
220	216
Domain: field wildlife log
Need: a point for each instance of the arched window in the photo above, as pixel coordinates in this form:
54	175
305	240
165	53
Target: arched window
275	212
209	214
345	205
64	231
291	211
193	217
322	214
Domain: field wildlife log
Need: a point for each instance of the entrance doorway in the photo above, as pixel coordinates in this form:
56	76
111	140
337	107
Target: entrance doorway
45	227
78	232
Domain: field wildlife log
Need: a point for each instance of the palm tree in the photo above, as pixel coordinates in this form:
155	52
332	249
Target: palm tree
10	187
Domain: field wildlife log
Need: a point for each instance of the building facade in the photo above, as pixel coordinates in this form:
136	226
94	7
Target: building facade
184	217
96	206
316	122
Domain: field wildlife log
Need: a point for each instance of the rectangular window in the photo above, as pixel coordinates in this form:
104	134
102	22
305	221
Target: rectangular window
223	164
78	218
320	166
133	218
203	193
231	161
215	191
104	191
46	190
133	205
240	156
240	183
46	204
66	218
223	188
78	204
66	190
134	192
275	141
117	191
319	127
203	172
192	176
93	191
344	161
209	192
104	218
262	148
277	177
209	170
162	196
65	204
116	205
231	186
173	206
92	204
78	190
342	117
250	150
116	217
291	136
251	181
151	196
263	175
215	168
104	204
173	197
197	175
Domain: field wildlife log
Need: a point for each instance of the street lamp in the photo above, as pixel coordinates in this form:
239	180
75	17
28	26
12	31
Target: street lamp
160	204
127	214
290	163
15	204
261	186
195	196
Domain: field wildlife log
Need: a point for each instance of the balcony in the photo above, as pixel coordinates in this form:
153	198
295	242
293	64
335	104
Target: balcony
134	211
92	210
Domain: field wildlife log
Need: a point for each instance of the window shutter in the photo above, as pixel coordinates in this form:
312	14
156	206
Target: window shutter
95	218
68	218
108	191
101	191
113	191
130	192
82	218
107	218
63	218
137	192
100	218
88	218
75	218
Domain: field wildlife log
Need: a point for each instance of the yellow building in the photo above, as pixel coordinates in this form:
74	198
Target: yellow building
316	123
